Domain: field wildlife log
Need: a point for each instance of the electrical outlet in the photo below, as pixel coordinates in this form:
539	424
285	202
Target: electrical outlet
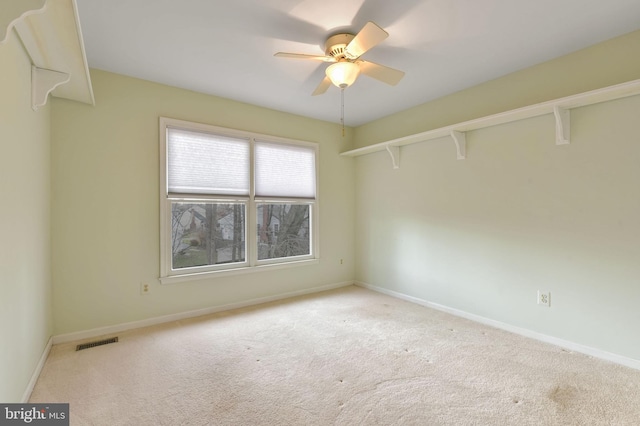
144	288
544	298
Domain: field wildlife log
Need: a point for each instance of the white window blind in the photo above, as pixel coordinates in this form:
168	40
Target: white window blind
204	163
285	170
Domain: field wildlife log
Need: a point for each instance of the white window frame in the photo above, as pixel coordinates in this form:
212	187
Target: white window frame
168	275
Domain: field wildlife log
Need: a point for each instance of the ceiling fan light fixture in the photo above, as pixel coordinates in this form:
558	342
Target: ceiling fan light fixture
343	74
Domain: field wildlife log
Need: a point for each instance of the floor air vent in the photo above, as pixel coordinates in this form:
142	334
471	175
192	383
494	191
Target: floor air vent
96	343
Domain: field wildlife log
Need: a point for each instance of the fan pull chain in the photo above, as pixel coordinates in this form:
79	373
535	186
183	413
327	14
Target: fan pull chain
342	109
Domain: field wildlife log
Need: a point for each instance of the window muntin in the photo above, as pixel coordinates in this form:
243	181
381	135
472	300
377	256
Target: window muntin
204	166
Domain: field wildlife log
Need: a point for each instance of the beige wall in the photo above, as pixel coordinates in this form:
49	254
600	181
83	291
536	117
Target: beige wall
25	284
105	211
520	214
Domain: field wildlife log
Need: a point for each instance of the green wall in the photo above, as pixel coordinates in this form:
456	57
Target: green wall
520	214
105	211
25	246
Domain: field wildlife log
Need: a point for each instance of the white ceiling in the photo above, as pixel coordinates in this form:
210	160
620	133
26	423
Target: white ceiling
226	47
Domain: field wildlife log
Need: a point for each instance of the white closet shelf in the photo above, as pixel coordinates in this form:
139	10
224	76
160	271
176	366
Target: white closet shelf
50	33
560	108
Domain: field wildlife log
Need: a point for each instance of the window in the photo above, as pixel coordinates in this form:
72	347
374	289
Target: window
218	183
292	239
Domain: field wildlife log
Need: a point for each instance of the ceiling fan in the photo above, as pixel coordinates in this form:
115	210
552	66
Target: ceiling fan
345	50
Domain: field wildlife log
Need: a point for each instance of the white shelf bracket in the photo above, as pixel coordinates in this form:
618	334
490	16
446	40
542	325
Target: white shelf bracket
394	152
13	11
460	139
43	82
563	125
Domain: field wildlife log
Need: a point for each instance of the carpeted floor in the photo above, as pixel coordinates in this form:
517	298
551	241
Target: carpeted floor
344	357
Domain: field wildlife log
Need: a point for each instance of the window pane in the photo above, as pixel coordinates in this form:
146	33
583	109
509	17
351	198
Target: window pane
283	230
285	170
204	163
204	234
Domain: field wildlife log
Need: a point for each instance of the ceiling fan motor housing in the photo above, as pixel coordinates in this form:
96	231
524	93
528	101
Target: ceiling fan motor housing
344	51
336	44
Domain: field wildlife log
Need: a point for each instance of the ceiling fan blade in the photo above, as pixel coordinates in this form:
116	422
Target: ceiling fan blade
369	36
322	87
380	72
303	56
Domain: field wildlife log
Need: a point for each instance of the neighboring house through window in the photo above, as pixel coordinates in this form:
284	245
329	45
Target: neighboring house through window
217	183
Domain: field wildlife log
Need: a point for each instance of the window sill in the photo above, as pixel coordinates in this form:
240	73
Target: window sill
174	279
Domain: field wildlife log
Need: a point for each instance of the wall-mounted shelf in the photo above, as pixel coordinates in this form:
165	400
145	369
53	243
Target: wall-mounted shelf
15	10
50	33
560	108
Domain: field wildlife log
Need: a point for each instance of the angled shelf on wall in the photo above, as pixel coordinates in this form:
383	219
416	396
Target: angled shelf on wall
560	108
50	33
15	10
43	82
563	125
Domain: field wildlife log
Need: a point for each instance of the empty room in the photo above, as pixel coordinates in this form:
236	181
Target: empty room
319	212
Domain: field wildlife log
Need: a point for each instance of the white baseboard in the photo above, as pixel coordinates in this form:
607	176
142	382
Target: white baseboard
587	350
95	332
36	373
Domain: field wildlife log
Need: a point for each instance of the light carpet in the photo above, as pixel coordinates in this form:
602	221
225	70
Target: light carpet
343	357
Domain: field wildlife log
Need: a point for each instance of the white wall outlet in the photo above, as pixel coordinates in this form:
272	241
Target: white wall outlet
144	288
544	298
